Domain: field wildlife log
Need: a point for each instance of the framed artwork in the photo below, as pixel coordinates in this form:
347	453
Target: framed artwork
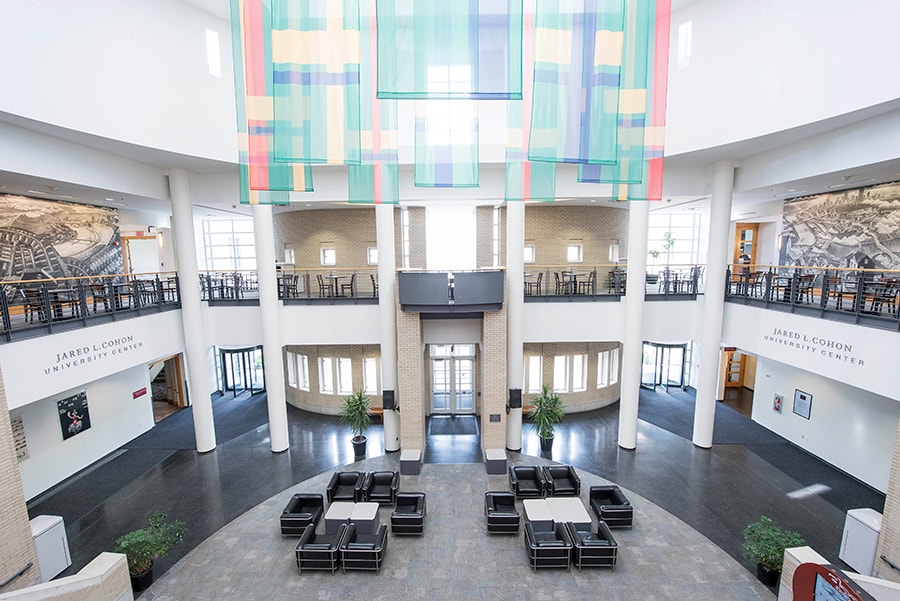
802	403
73	415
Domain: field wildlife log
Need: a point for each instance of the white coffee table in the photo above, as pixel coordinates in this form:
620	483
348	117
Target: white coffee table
568	509
338	513
365	516
538	513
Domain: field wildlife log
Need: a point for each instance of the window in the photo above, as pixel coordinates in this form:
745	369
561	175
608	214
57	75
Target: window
561	373
533	374
344	376
607	368
528	254
213	53
302	372
292	369
579	373
228	244
370	375
327	255
675	237
289	255
574	253
404	235
326	375
335	376
449	122
372	255
495	237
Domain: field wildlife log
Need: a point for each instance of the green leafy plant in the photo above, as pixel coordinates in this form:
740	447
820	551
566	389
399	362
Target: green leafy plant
144	545
355	413
547	413
764	543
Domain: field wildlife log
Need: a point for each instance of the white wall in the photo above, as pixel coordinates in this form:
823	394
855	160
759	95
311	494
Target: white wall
116	418
851	428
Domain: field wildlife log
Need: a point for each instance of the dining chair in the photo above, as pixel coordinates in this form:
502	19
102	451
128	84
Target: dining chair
99	293
349	288
534	287
374	285
324	288
587	287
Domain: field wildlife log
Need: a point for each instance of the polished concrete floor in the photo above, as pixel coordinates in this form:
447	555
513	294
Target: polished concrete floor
717	491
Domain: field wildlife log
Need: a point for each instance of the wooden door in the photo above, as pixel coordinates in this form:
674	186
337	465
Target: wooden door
734	369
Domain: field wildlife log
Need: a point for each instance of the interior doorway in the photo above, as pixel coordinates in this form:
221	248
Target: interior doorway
167	387
241	369
452	379
664	365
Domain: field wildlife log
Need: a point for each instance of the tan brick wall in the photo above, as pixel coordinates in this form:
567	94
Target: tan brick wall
329	404
410	379
550	228
351	231
416	239
591	397
494	377
889	539
16	545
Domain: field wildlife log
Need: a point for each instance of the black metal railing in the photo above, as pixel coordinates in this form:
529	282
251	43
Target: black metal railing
553	283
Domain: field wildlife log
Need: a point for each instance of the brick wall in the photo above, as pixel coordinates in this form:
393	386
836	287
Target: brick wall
330	404
591	397
550	229
889	539
16	545
494	378
350	231
410	378
416	239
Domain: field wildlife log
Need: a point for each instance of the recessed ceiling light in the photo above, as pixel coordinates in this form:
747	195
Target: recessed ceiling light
792	189
593	200
110	199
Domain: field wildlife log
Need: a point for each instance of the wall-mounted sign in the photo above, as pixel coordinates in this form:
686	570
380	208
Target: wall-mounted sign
18	432
802	403
139	393
74	417
777	402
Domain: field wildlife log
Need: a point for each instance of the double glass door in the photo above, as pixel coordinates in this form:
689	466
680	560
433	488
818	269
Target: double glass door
453	379
663	365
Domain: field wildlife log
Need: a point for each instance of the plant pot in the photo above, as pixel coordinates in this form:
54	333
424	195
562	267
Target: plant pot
359	446
767	576
142	581
547	444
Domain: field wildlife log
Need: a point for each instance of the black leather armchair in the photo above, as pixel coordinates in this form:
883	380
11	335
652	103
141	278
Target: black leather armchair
344	486
548	549
611	505
304	509
562	480
363	551
320	551
526	480
380	487
408	516
500	510
593	548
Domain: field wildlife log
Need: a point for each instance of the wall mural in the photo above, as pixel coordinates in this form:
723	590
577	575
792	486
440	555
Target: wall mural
49	239
852	228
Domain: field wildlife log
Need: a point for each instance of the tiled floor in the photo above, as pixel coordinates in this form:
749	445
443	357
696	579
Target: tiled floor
717	491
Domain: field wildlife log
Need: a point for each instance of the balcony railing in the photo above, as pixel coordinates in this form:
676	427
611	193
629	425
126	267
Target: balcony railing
31	308
861	296
295	286
592	283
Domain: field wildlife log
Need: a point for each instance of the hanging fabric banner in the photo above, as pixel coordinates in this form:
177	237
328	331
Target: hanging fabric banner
377	179
450	49
525	180
446	143
315	65
262	180
577	70
650	187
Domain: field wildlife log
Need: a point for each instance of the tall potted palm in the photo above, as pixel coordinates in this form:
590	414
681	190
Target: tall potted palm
142	546
355	413
547	413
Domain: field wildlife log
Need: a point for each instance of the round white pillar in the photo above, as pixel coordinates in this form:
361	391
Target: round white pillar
633	338
191	309
387	310
515	316
264	235
713	303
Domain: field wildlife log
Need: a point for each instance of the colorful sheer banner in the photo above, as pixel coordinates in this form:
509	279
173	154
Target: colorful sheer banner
525	180
450	49
315	65
577	71
446	144
262	180
377	179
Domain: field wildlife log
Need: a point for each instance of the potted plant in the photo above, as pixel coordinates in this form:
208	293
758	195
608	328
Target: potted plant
547	412
764	543
355	413
141	547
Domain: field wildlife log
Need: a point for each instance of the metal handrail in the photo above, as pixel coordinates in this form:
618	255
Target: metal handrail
16	575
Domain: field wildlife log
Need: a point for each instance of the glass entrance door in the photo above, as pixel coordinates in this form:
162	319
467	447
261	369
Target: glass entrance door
452	378
663	365
241	369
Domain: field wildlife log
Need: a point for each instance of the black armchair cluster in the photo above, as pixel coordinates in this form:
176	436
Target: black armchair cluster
544	481
347	548
374	487
567	543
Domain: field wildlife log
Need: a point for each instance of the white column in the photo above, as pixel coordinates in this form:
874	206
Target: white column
191	309
515	316
264	236
713	303
633	339
387	310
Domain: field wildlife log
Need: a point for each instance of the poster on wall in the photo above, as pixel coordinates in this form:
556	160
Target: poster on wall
74	417
18	432
802	403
